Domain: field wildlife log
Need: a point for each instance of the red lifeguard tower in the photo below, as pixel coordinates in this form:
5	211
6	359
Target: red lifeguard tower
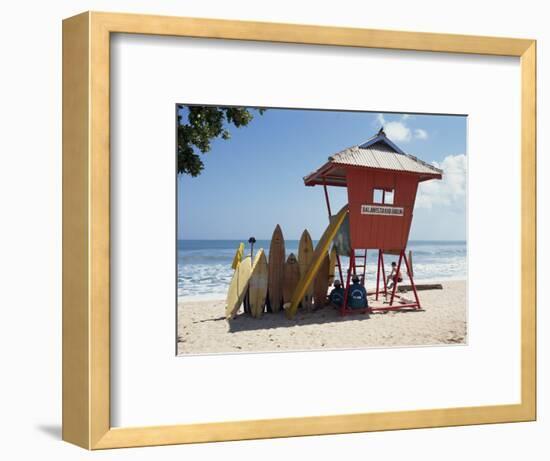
382	182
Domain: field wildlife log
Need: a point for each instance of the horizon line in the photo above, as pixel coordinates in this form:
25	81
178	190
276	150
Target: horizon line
260	238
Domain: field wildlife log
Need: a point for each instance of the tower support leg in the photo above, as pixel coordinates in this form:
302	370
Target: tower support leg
378	274
346	291
339	267
395	282
411	278
327	200
364	275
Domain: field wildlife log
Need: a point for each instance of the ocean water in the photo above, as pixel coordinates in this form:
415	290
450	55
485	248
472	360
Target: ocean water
204	266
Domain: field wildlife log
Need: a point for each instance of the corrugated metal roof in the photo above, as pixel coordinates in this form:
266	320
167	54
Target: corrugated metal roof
381	155
378	152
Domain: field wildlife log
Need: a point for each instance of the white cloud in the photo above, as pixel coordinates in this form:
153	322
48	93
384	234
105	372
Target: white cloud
449	192
398	131
419	133
395	130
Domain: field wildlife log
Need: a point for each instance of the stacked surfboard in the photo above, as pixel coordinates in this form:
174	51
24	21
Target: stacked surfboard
257	291
250	277
305	255
276	270
318	271
284	282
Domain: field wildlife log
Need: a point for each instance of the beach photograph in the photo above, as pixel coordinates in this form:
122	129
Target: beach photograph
311	230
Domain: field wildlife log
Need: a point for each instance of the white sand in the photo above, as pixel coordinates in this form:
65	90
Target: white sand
202	327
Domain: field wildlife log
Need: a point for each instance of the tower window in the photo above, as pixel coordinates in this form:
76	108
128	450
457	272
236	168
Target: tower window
383	196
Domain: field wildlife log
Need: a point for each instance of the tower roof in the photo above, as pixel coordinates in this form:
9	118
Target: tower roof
377	153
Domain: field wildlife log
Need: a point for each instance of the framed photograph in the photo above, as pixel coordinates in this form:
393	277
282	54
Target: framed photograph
275	230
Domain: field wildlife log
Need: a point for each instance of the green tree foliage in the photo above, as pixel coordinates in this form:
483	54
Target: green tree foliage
199	125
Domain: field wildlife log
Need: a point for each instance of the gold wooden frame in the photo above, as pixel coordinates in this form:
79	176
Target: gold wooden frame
86	394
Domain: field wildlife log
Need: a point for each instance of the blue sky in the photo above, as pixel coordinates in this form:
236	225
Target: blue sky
254	181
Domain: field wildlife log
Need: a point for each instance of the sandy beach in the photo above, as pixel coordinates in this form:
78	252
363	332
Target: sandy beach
202	328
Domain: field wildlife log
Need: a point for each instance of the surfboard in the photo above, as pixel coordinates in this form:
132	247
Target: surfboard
318	255
320	284
275	269
291	277
257	289
332	266
238	256
305	255
238	287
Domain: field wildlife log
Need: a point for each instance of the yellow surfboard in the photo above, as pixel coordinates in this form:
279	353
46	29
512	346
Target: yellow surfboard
238	287
305	255
257	289
332	266
275	271
238	256
318	255
291	277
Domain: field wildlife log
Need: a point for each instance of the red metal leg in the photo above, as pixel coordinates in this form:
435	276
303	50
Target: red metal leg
327	200
396	274
346	291
411	280
378	274
364	267
397	307
339	267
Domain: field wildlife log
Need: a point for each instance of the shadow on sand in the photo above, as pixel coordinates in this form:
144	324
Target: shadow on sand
268	321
